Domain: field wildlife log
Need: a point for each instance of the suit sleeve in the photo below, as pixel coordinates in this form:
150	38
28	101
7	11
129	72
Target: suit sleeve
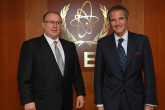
25	74
78	79
98	74
149	75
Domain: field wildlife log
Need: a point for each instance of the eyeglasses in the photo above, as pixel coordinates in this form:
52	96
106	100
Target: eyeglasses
53	22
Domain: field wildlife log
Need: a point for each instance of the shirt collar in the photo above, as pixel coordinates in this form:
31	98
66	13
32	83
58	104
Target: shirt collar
50	40
125	36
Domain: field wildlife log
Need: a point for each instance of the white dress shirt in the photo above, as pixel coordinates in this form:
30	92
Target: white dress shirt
125	41
52	46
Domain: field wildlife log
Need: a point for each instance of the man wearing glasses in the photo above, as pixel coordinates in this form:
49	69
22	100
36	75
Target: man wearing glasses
48	67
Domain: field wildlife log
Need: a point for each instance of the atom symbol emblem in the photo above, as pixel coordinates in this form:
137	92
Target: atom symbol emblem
70	37
84	23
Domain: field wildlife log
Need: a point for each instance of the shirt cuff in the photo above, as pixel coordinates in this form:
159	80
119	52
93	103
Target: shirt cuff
99	105
151	105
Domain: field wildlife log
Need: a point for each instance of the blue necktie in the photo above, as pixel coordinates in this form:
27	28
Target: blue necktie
122	54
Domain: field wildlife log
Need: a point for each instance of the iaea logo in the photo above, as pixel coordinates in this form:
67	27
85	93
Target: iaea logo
84	24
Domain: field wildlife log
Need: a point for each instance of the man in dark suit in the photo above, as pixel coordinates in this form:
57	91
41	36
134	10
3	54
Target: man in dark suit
48	68
120	59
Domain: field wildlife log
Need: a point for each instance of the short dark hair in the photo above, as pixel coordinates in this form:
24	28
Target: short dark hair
48	12
118	7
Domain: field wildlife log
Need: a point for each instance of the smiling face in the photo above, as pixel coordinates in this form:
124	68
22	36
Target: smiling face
118	22
52	25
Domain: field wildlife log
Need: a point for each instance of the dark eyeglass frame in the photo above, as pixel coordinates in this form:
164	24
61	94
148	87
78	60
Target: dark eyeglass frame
53	22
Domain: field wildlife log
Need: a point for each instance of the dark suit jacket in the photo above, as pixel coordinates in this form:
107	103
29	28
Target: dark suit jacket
40	79
110	80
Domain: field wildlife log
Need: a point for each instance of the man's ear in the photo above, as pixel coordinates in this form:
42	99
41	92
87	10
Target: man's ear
43	24
127	20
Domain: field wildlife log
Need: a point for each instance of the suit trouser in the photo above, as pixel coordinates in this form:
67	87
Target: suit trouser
124	104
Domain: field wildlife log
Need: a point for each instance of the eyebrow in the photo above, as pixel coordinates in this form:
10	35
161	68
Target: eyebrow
117	18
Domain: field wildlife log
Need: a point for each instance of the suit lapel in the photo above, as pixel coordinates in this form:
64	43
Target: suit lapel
47	48
48	51
130	48
113	49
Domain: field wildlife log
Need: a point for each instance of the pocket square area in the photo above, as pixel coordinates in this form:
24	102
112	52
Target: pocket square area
137	53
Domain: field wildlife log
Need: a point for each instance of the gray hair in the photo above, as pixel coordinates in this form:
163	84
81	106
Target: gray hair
118	7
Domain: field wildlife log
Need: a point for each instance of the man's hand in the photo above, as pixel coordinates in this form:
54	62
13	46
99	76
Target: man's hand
100	108
80	102
30	106
147	107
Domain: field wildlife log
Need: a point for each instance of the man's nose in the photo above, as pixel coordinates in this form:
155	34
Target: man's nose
117	22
